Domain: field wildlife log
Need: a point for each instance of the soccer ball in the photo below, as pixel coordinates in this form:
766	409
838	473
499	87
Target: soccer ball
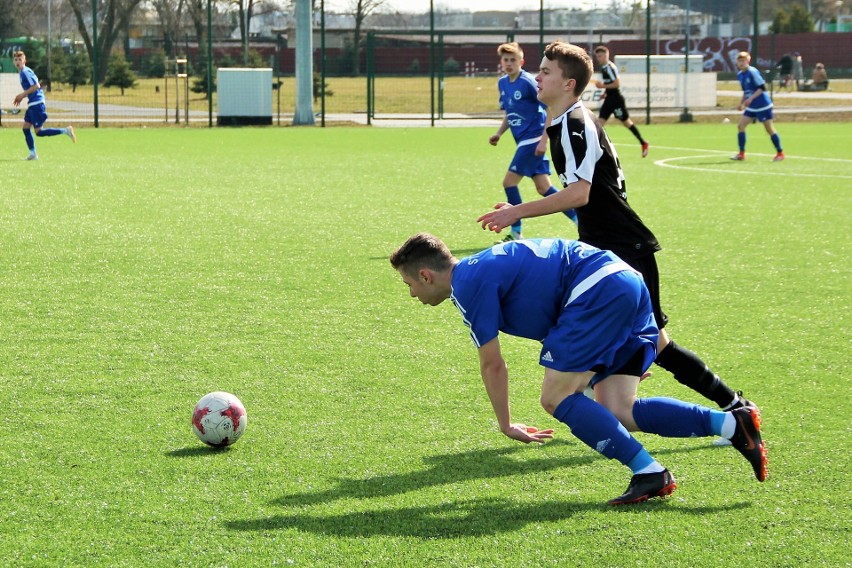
219	419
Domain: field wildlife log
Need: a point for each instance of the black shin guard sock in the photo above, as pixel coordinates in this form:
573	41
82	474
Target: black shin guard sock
689	370
635	132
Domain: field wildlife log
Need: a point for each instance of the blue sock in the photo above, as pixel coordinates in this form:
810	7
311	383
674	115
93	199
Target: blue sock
571	214
741	139
641	461
28	135
513	196
673	418
598	428
777	141
50	132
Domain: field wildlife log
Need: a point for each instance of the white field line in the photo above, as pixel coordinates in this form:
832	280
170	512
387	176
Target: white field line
667	163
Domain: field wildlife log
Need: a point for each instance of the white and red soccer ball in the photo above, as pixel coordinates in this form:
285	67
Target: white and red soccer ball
219	419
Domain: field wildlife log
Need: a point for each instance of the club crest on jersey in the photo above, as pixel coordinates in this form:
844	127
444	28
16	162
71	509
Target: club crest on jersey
517	95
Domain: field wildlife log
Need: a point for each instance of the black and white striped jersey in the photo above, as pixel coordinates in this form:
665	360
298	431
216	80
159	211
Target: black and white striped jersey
581	149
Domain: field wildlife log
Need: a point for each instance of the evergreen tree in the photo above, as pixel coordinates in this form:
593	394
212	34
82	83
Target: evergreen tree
79	70
119	74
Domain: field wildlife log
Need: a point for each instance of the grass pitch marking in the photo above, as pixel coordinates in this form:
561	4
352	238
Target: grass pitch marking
667	163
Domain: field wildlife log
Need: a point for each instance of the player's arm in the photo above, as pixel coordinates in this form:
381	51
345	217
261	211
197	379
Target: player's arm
541	147
504	126
31	89
495	377
614	85
573	195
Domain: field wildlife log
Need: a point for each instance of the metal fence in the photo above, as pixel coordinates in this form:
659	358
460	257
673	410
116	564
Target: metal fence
442	69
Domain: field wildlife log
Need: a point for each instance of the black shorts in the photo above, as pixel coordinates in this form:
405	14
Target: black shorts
647	265
614	104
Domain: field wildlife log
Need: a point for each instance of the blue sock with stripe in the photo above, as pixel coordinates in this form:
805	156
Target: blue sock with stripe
599	429
673	418
513	196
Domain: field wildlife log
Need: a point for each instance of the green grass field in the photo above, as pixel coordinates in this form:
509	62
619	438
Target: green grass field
143	268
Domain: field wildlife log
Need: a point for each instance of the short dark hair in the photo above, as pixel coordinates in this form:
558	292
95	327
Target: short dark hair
602	49
574	62
422	250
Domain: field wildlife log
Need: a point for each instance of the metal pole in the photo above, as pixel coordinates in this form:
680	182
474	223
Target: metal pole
686	116
540	30
648	62
756	26
209	64
432	59
49	70
95	62
322	62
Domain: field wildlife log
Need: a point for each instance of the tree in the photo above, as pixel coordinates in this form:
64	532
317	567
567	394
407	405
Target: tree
797	20
119	74
79	70
800	20
361	9
114	16
170	14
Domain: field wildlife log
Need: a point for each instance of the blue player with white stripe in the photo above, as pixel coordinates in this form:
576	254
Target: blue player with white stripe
592	314
757	105
36	114
524	115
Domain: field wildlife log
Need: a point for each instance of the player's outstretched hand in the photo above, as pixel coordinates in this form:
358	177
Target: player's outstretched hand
499	219
494	139
527	434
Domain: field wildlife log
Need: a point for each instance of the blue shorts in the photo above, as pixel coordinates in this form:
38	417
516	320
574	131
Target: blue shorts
526	163
604	329
36	115
760	116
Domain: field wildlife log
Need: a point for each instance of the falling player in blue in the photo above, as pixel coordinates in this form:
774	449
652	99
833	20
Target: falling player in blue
757	105
36	114
525	116
593	316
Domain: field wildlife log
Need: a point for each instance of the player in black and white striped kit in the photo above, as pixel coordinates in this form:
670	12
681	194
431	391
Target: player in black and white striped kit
593	183
613	103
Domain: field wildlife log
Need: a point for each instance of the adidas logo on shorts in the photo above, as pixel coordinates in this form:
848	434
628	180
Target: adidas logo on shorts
547	357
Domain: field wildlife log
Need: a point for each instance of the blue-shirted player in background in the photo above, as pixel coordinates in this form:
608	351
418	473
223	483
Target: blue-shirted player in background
36	114
593	315
757	105
524	115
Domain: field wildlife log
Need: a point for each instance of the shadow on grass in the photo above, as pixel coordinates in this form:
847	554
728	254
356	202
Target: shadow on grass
196	451
469	517
443	469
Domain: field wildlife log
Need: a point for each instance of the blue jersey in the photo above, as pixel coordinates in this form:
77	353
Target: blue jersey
751	80
524	112
522	287
28	79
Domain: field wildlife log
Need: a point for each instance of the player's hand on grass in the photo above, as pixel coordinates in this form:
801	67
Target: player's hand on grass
527	434
497	220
